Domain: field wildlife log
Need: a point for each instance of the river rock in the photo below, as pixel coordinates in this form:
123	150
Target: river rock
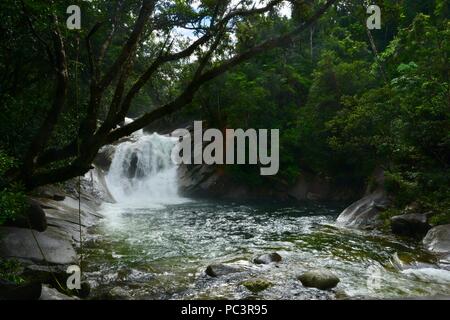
33	217
412	225
257	285
218	270
53	294
267	258
20	243
12	291
365	212
438	239
119	293
320	279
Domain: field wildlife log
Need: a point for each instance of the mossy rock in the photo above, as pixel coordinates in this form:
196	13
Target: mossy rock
257	285
320	279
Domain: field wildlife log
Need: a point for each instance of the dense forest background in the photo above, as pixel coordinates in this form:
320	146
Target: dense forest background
346	100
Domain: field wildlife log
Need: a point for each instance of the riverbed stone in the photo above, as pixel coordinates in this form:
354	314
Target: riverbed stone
267	258
218	270
320	279
411	225
257	285
119	293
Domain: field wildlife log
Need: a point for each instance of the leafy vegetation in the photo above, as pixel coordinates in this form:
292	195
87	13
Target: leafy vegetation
346	100
344	108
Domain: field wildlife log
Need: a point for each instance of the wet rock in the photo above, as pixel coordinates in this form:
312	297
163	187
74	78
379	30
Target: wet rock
403	261
12	291
104	157
267	258
22	243
411	225
33	217
364	213
218	270
119	293
53	294
320	279
132	169
257	285
438	239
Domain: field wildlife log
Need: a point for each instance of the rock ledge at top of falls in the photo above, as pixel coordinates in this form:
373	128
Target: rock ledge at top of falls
365	213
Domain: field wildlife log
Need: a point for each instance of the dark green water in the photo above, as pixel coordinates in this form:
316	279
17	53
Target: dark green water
162	252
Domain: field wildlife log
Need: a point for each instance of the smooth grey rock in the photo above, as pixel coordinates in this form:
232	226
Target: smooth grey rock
438	239
20	243
320	279
218	270
412	225
119	294
267	258
53	294
104	157
365	212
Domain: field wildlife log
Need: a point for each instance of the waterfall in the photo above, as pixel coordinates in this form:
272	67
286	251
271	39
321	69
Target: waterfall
142	173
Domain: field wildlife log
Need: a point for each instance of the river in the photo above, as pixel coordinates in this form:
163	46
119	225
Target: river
154	244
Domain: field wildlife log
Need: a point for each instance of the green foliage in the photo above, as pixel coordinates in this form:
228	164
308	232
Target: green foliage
10	270
12	198
342	109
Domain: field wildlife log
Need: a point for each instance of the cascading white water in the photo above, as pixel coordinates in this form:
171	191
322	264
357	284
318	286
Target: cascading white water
142	173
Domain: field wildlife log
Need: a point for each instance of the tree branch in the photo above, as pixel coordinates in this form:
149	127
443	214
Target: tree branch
188	94
59	99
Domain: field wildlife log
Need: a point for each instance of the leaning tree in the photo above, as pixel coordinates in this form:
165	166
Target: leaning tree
113	84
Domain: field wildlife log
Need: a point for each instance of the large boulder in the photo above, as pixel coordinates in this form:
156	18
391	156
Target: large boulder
27	244
267	258
104	157
320	279
412	225
218	270
364	213
437	241
33	217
